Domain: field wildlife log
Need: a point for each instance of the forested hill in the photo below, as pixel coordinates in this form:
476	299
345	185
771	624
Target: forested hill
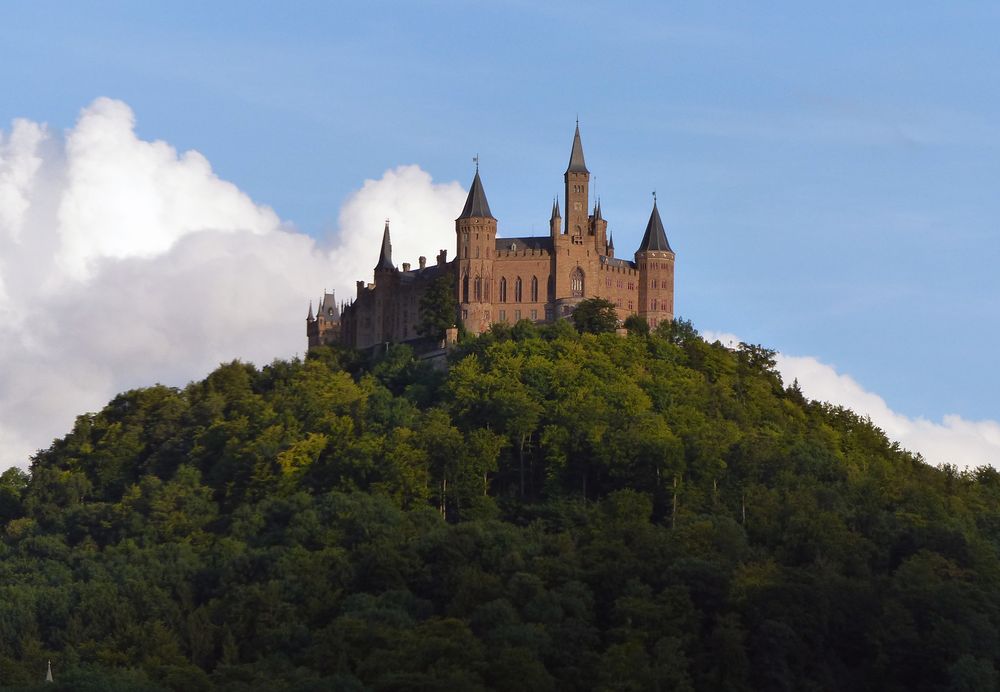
555	512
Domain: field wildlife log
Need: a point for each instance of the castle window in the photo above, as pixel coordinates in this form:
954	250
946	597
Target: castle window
466	248
607	282
503	289
534	290
465	288
477	252
552	288
534	315
517	290
654	283
517	315
465	314
479	289
502	315
576	283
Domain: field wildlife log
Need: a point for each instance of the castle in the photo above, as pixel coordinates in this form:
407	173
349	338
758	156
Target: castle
509	279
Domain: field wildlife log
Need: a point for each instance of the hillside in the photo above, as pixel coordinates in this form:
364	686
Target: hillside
557	511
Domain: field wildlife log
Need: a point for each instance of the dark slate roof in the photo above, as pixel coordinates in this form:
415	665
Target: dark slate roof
611	241
537	243
328	301
617	262
426	274
655	237
385	257
476	205
576	163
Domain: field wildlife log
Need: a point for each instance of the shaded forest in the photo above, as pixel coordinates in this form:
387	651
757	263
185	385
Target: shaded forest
556	511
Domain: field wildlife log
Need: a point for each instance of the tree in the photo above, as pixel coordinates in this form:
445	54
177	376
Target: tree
636	324
438	307
595	315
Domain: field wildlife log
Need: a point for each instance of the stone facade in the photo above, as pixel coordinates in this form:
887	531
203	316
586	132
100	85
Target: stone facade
500	279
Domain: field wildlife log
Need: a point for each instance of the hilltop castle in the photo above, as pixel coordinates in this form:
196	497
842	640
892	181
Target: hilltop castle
509	279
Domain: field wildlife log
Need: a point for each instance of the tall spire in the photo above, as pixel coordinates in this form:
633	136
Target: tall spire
655	237
310	318
555	209
385	256
611	242
597	210
476	204
576	162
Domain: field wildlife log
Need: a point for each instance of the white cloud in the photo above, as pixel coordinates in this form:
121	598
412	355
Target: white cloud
954	440
124	263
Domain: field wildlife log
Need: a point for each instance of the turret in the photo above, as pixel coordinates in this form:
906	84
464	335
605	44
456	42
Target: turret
599	229
555	221
385	256
476	229
577	179
655	261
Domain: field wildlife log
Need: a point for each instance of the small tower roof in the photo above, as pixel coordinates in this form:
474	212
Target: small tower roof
310	317
555	209
576	162
611	241
476	204
385	256
597	210
655	237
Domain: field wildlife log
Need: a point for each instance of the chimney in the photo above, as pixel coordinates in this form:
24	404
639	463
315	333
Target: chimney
442	257
406	266
423	262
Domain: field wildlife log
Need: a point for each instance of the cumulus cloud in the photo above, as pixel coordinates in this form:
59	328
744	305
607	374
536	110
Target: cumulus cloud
953	440
124	262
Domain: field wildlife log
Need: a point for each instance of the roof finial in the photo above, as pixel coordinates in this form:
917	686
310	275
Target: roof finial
654	197
476	160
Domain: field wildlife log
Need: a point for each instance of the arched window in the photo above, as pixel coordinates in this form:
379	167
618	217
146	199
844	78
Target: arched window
518	296
479	289
576	283
503	289
534	289
486	288
465	288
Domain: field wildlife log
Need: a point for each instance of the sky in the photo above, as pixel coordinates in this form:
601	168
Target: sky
178	179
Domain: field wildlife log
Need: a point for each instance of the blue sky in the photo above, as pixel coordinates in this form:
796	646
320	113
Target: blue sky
828	173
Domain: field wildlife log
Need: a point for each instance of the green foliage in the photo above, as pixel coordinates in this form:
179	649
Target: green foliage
558	511
438	307
636	324
595	315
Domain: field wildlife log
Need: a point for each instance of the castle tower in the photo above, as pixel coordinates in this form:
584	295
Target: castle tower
655	261
324	328
477	231
577	179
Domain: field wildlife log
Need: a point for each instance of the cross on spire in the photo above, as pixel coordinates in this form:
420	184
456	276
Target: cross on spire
475	159
654	196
